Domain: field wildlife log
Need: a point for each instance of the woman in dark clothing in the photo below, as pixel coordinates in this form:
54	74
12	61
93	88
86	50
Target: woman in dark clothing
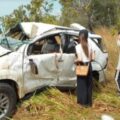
85	53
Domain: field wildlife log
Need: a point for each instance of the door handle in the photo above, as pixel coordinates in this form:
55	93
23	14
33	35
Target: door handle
33	66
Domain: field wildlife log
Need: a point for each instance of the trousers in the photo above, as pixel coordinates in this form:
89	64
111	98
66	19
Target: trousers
84	88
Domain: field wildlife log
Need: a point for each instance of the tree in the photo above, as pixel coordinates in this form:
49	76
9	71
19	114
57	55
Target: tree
69	14
105	11
36	11
16	17
79	11
91	13
47	9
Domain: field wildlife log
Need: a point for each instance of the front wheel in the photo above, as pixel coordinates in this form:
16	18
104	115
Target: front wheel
7	101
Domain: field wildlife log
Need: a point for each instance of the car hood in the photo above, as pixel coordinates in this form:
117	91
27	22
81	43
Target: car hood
4	51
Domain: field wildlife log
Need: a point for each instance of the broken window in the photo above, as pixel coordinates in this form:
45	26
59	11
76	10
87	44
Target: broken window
69	43
46	45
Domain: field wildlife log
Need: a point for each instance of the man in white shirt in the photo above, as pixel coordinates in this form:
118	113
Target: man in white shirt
117	76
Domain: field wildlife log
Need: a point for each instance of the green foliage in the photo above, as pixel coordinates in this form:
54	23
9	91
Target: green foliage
70	13
17	16
91	12
36	11
75	11
53	104
50	19
33	10
105	12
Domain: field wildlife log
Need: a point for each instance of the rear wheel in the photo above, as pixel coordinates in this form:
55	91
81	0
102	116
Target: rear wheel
7	101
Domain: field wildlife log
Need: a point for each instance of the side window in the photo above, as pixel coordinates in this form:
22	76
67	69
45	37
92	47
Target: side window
46	45
35	48
70	42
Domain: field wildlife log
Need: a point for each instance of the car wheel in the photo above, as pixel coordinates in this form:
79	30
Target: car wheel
7	101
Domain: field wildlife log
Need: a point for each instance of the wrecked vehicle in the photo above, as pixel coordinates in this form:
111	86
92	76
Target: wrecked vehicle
45	60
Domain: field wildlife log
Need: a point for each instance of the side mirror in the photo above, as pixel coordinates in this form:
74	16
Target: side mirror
33	66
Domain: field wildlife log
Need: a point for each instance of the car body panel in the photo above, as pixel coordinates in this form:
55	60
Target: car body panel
66	70
3	51
47	71
11	69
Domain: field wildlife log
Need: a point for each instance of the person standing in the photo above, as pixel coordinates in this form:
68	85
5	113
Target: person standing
117	76
85	54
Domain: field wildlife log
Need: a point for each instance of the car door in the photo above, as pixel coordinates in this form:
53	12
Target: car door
66	66
39	68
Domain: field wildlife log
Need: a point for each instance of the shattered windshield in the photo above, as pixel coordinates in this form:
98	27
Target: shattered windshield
11	44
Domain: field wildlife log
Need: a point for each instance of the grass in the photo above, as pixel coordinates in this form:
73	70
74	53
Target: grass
53	104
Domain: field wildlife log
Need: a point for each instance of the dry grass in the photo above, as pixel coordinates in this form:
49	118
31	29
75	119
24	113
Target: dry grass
53	104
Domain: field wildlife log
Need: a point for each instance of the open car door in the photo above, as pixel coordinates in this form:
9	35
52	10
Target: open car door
66	66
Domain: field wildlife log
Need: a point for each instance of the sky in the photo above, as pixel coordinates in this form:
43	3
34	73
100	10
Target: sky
7	6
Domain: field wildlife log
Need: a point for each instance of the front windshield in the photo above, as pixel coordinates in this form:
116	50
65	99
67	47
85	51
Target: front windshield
11	44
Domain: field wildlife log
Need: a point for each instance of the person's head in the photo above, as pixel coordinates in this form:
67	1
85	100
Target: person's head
83	35
83	40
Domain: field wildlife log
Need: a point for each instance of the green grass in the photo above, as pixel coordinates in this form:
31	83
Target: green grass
53	104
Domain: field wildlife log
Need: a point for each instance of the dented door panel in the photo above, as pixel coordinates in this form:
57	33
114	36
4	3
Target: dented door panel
66	66
47	71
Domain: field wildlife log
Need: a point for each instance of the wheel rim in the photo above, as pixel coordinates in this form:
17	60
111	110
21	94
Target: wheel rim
4	104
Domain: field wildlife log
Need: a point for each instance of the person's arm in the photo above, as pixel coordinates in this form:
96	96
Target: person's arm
76	60
93	55
76	56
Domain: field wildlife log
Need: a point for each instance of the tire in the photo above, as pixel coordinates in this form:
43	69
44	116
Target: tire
8	101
